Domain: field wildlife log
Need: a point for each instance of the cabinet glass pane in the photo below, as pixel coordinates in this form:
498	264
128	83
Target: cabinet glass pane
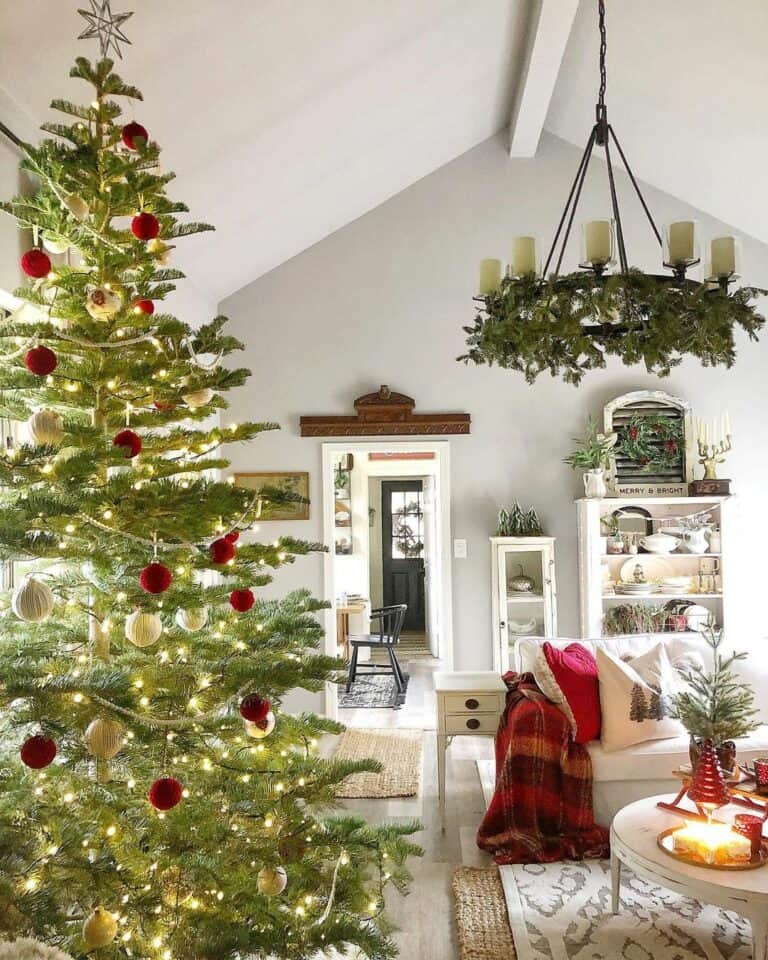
523	563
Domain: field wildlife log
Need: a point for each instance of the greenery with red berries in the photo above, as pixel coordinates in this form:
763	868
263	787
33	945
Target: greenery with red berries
653	441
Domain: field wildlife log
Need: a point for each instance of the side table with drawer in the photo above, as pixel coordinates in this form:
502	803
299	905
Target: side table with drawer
469	704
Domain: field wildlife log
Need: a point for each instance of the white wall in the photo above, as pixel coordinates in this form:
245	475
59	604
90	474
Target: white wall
384	300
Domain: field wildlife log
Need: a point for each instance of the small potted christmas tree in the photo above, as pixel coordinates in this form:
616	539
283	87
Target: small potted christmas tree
715	704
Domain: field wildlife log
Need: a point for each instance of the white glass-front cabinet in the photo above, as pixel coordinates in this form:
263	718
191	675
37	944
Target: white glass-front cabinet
524	594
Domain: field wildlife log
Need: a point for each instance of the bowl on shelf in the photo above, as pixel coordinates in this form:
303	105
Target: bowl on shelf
660	543
522	627
675	585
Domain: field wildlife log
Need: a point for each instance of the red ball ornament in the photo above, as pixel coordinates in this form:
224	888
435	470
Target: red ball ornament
37	752
255	708
36	264
144	306
155	578
165	793
130	441
222	550
132	132
145	226
242	600
233	536
41	361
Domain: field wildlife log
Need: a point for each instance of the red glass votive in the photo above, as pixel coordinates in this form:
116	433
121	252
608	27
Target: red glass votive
751	827
761	776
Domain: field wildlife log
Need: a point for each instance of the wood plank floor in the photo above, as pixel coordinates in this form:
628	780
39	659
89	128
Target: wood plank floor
425	916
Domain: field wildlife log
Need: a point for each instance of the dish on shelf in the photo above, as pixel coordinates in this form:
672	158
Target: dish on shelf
653	567
521	627
697	617
660	543
636	589
675	585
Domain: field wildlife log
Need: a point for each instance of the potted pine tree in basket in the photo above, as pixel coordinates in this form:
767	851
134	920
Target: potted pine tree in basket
591	455
715	704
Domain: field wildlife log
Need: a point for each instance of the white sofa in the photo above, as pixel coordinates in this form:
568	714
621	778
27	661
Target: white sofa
643	770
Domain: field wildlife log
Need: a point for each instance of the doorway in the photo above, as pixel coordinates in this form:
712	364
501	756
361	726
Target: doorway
387	523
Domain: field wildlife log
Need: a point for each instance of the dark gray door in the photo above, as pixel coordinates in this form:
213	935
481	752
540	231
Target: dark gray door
402	521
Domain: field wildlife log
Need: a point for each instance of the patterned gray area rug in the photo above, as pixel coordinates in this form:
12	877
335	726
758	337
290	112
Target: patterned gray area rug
562	911
373	690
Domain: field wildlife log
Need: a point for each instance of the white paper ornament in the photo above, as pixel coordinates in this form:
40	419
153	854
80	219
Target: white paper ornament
102	304
32	601
104	738
99	929
259	731
77	206
198	398
54	244
271	881
143	629
26	949
193	619
161	251
46	428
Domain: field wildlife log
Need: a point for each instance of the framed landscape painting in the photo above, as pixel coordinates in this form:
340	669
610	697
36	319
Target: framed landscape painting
296	484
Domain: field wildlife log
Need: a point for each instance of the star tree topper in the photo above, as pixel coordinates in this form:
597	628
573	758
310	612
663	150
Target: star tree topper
104	25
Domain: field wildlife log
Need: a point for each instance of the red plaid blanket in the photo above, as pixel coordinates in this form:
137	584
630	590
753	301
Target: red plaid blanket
542	807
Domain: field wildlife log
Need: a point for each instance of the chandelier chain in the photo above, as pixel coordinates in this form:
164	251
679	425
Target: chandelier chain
603	50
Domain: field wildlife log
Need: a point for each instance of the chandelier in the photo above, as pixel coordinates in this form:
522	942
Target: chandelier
531	320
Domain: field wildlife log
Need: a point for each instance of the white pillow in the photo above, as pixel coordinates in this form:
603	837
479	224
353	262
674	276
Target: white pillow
634	698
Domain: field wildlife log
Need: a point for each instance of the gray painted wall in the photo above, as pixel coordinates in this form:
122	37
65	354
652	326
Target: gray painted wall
383	301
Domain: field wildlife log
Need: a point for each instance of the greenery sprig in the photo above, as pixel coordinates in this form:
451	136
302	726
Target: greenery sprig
571	324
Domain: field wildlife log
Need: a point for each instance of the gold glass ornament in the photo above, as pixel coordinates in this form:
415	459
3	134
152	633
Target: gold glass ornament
32	601
143	629
271	881
192	619
99	929
198	398
104	738
46	428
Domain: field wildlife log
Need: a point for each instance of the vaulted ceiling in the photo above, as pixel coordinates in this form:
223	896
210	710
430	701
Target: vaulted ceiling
287	119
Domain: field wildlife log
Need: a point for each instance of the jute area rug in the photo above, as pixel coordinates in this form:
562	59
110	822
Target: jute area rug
398	751
481	915
373	691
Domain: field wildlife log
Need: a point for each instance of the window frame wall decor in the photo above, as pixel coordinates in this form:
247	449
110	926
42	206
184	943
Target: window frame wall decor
627	478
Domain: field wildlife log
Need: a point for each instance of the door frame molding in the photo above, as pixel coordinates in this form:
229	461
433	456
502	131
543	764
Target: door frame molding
442	449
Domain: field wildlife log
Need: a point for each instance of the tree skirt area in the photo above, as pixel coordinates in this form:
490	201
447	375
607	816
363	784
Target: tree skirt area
373	690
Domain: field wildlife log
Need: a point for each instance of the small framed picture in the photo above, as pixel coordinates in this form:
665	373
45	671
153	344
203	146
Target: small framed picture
293	483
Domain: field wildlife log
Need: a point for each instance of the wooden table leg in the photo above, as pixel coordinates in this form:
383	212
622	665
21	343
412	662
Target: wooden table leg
442	745
615	882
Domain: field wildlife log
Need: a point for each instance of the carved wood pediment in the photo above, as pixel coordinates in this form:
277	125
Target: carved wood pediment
385	414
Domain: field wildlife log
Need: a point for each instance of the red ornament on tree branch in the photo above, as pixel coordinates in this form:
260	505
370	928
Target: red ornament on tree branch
133	134
222	550
130	441
155	578
165	793
145	226
38	752
36	264
242	600
41	361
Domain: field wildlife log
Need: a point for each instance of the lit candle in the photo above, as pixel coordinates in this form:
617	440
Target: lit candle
723	256
681	242
523	256
490	277
598	244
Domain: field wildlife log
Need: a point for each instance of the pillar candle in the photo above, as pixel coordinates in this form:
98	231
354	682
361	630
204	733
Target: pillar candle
727	424
681	242
723	256
523	256
490	277
597	241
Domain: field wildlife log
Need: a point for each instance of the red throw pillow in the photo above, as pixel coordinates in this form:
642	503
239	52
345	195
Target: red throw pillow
573	672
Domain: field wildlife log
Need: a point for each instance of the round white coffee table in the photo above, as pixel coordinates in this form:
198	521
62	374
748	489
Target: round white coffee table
634	834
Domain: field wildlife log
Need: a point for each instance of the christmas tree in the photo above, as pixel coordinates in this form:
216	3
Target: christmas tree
155	801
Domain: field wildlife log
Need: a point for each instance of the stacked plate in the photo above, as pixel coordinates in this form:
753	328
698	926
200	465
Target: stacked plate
673	586
633	589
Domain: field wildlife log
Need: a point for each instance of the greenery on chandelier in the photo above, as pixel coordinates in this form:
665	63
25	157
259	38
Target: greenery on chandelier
652	441
156	802
571	324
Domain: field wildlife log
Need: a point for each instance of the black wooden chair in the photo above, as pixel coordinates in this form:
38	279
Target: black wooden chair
391	621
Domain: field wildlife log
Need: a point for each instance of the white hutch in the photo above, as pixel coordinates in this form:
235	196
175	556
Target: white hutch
521	613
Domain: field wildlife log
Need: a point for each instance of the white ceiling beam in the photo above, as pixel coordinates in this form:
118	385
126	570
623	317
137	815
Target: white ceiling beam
548	38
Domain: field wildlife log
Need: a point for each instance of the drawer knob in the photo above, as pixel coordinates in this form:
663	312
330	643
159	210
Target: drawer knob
473	723
471	704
